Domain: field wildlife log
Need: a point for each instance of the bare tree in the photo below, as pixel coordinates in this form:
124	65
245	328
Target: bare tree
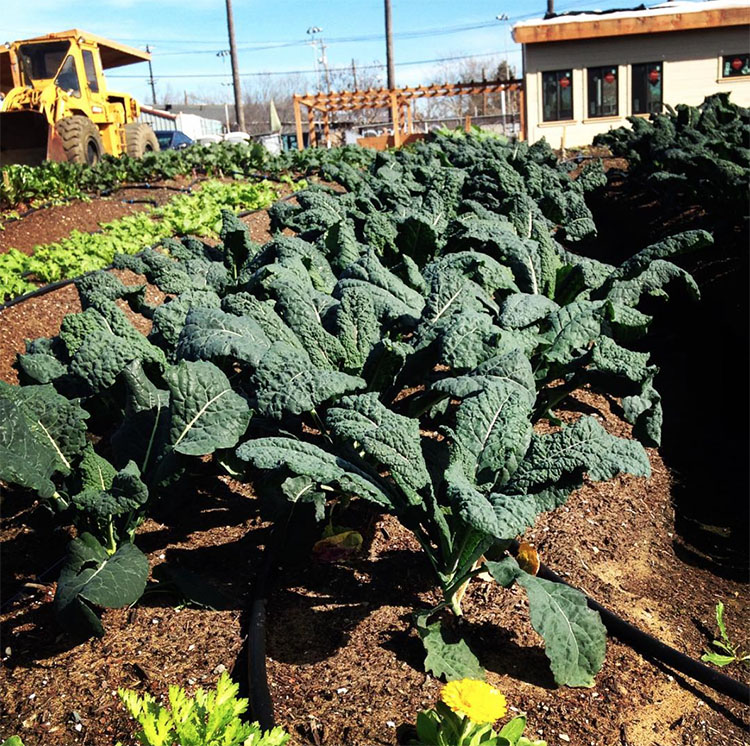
468	70
261	90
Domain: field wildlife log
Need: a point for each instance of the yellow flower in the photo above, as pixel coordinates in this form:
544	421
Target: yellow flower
477	700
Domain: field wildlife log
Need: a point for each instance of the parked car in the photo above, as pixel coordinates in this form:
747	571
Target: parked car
172	139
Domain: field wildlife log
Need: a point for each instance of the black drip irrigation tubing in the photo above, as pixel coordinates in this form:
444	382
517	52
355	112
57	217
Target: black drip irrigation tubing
654	649
581	158
104	193
146	185
641	642
32	210
261	704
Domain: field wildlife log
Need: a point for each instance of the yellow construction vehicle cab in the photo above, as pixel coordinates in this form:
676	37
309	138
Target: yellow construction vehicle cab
56	105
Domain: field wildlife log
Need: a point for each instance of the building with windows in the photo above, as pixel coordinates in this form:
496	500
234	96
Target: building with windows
585	72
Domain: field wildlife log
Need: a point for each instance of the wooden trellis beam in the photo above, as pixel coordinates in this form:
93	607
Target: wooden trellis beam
397	100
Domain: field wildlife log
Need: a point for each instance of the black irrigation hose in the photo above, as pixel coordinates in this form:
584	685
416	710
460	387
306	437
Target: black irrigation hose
652	648
49	288
580	158
146	185
261	704
32	210
62	283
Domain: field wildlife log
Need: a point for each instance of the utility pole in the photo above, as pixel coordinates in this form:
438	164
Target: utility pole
235	72
314	44
151	77
354	74
324	62
389	45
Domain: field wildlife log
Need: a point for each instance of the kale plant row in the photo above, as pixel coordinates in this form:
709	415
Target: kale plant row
399	349
700	152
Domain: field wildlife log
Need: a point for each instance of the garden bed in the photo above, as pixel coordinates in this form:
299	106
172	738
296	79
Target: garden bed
53	223
497	376
345	666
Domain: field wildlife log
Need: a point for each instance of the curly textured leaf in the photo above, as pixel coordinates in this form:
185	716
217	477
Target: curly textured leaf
41	433
492	433
92	578
574	636
389	439
321	467
451	660
521	309
212	334
286	383
497	515
582	447
205	414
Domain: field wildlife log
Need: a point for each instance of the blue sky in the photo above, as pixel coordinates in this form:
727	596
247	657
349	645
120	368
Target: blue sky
185	36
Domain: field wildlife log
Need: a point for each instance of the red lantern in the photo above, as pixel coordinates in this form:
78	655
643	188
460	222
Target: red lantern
736	63
654	76
609	78
564	82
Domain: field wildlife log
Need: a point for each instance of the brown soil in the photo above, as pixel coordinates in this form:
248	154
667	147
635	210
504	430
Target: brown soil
344	662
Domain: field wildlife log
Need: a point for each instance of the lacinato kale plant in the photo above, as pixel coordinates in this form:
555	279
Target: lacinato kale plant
697	153
401	348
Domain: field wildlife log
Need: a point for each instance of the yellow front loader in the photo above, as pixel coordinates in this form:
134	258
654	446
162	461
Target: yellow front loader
56	105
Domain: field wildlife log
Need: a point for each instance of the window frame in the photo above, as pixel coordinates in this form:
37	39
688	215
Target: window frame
646	66
92	77
69	60
590	83
559	74
725	60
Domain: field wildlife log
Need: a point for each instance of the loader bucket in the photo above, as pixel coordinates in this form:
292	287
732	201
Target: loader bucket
26	137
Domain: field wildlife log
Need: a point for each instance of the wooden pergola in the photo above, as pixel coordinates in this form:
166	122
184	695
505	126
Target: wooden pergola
320	106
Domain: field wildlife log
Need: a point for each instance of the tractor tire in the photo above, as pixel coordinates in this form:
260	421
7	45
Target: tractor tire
81	140
139	140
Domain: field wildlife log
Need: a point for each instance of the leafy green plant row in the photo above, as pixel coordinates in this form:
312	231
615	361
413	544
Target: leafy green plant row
401	349
700	152
55	181
197	213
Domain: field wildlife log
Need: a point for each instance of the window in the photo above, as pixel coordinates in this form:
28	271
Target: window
90	68
67	78
557	95
735	65
42	61
603	91
647	88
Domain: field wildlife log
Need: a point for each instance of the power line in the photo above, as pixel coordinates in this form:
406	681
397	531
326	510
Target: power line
434	31
262	46
377	66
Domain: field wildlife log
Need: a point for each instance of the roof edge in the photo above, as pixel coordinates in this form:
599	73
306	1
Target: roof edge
568	28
